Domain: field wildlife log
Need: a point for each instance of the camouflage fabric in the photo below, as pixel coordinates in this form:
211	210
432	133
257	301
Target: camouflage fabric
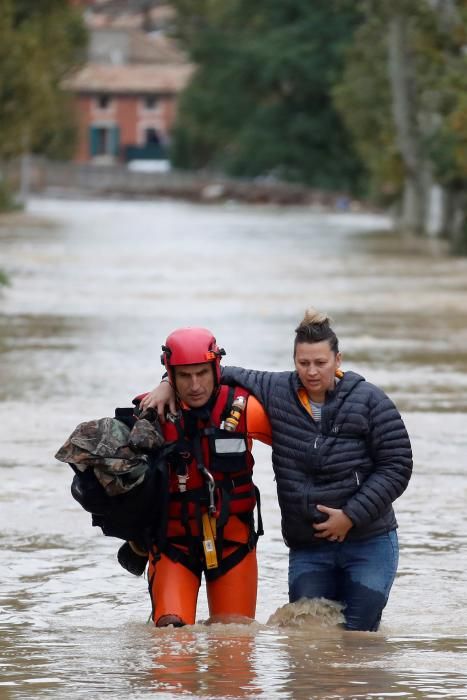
116	454
145	436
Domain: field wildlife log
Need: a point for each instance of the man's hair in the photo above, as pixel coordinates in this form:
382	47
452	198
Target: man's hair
314	328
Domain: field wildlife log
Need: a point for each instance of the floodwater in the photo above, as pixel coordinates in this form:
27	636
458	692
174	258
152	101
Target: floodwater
96	286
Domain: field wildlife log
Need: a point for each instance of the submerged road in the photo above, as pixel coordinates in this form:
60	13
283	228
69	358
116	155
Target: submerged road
95	289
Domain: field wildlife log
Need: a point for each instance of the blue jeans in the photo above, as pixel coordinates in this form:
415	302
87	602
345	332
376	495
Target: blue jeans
357	573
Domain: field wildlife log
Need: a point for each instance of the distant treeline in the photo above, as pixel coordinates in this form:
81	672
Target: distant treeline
40	42
364	95
261	102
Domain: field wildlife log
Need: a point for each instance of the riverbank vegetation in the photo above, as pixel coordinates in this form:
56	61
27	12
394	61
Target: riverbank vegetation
366	95
7	199
403	98
361	97
261	101
4	280
40	42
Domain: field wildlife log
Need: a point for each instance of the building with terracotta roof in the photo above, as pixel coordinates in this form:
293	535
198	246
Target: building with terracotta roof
126	94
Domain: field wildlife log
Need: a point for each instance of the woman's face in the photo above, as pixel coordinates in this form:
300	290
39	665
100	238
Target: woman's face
316	365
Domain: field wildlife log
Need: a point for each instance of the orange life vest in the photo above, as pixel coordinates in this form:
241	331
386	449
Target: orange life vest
202	443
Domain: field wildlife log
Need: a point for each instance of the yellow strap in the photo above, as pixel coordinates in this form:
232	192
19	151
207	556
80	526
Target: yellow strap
209	543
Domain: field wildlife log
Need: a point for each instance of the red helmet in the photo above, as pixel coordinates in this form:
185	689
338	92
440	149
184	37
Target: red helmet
191	346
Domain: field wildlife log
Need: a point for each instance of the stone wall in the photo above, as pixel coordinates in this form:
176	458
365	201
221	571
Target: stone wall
74	179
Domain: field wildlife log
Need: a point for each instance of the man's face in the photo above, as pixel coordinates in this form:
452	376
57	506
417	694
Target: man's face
194	383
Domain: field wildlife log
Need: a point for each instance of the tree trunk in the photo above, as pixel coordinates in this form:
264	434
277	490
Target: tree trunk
403	87
455	222
454	227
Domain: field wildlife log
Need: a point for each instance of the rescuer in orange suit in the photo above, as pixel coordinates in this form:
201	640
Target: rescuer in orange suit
210	524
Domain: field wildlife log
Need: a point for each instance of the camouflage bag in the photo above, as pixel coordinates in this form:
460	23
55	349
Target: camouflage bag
116	454
118	475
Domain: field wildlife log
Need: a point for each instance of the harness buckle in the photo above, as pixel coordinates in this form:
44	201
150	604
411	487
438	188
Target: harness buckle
182	479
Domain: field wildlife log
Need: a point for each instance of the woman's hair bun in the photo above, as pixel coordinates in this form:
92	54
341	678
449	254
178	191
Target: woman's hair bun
314	328
312	316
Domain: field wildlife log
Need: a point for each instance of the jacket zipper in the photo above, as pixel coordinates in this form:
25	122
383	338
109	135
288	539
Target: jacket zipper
302	408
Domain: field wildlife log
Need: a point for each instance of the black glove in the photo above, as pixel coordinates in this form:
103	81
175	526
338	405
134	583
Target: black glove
131	561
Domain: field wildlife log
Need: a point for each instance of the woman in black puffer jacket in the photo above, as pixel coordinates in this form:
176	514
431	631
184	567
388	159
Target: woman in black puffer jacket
341	456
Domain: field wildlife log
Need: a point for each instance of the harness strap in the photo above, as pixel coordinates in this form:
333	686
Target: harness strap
225	507
193	564
190	540
228	562
228	404
260	531
200	493
195	561
204	496
245	494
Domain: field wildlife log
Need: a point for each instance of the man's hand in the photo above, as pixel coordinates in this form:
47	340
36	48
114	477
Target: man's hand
160	398
336	527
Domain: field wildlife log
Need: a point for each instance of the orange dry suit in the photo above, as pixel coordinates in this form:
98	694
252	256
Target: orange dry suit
210	524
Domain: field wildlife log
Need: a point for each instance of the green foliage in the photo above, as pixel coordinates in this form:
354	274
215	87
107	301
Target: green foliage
39	44
363	99
447	140
7	201
260	102
4	279
437	41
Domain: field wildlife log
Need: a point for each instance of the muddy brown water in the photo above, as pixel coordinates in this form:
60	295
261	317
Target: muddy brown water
96	286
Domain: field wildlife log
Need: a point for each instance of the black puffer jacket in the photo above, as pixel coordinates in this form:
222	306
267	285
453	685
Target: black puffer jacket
359	458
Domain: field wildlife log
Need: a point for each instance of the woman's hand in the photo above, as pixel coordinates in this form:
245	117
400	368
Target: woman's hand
160	398
336	527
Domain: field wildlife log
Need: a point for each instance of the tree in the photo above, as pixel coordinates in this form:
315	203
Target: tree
39	44
260	102
448	138
404	83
